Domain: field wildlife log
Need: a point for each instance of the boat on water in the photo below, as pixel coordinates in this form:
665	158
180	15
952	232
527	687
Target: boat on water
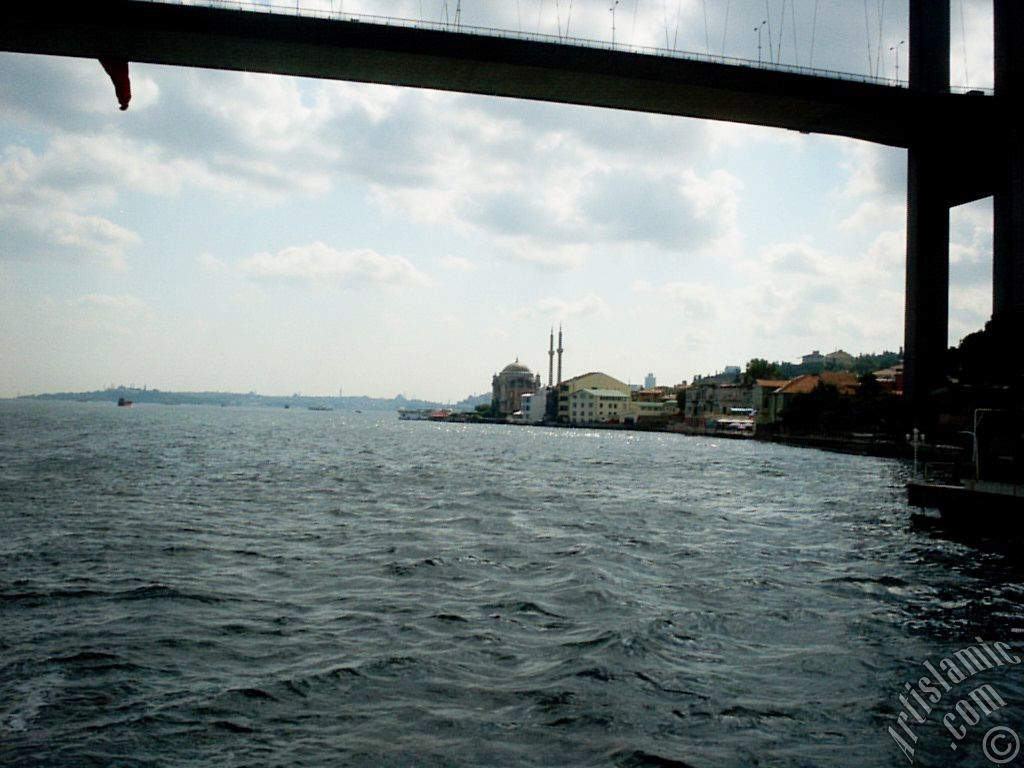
424	414
123	402
319	408
987	485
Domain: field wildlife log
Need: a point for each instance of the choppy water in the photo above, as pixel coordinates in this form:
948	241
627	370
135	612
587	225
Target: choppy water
201	586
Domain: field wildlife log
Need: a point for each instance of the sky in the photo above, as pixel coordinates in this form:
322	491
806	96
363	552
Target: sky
243	232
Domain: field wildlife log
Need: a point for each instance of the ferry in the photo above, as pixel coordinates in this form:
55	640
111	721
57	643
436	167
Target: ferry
989	487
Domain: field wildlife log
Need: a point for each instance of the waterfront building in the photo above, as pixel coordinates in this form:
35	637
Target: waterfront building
839	360
509	386
598	406
814	359
533	407
708	397
648	412
761	398
652	394
592	380
780	399
891	379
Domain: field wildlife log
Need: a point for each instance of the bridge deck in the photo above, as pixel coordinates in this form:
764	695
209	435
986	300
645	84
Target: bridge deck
455	61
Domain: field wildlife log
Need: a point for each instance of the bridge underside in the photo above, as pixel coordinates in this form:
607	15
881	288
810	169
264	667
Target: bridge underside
454	61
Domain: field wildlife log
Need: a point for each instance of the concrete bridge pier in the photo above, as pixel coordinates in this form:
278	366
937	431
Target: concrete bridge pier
1008	208
927	298
926	323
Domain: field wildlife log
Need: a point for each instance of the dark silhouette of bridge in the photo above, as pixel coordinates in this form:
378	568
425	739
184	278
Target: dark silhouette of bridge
960	147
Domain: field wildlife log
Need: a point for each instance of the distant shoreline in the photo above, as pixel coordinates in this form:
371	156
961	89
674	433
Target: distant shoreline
162	397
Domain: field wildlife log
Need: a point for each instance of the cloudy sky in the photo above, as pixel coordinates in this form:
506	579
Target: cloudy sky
250	232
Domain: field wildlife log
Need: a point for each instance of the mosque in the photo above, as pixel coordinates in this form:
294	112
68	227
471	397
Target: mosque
516	380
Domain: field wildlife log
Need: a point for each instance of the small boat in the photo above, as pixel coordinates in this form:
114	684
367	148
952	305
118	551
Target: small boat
124	403
320	408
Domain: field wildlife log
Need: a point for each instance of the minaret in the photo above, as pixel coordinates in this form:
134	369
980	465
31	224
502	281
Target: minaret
559	354
551	357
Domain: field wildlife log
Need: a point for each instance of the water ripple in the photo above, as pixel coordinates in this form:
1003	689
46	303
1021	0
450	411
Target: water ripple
189	586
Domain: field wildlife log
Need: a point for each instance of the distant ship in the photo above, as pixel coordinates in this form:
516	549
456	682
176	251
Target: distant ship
124	403
319	408
424	414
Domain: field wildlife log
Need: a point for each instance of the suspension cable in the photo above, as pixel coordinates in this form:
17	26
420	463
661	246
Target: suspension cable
878	51
814	32
796	47
782	32
675	35
963	43
725	27
867	36
707	39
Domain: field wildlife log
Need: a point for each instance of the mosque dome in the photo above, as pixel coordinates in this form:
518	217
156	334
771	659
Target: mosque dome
515	367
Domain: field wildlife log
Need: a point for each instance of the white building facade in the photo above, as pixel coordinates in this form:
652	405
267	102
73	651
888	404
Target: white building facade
598	406
533	407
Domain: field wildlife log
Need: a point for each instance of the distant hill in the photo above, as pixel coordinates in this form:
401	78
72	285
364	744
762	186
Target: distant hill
471	402
357	403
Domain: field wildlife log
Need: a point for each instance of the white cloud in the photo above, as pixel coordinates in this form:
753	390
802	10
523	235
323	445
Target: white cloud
123	314
321	265
796	258
555	309
874	170
210	263
695	301
36	233
590	305
457	263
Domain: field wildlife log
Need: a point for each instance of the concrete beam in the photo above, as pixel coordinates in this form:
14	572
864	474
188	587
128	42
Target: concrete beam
347	50
1008	208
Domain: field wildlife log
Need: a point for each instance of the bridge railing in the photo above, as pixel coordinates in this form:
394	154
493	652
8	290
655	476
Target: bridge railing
580	42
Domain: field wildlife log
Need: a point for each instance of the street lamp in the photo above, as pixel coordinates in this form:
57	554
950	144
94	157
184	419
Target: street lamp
758	29
916	439
896	50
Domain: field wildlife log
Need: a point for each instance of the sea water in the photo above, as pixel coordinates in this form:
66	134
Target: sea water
203	586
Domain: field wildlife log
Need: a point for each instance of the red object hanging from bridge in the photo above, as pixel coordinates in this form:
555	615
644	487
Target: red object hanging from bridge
118	71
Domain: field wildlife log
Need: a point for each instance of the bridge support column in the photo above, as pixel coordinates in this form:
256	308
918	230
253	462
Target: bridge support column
1008	235
926	327
927	304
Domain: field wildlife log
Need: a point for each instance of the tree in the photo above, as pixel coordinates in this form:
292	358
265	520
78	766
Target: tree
822	410
759	368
